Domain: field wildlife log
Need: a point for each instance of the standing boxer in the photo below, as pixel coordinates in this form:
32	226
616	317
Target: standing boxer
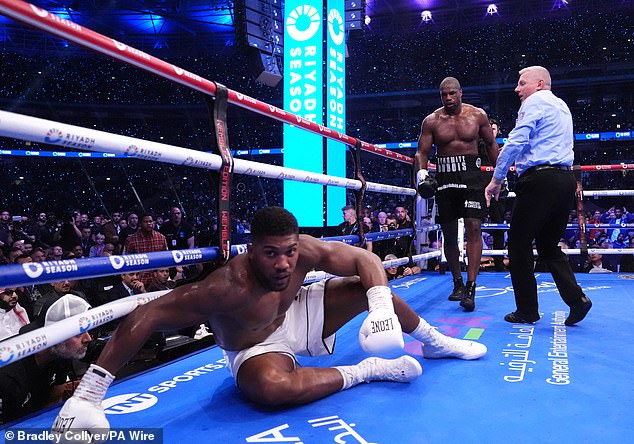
455	130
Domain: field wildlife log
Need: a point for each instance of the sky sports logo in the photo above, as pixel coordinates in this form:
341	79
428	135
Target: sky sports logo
137	402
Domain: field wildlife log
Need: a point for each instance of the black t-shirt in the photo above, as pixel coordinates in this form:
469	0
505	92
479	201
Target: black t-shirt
25	387
177	236
402	244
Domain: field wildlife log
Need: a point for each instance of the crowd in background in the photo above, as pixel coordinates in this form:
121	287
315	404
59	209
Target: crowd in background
118	98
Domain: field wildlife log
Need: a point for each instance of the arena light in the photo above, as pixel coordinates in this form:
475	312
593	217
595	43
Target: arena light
426	16
560	4
492	9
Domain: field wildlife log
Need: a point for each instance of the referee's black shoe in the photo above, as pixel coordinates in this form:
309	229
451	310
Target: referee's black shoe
579	310
518	318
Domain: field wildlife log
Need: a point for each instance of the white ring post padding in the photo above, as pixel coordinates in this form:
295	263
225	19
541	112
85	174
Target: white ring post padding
18	347
569	251
19	126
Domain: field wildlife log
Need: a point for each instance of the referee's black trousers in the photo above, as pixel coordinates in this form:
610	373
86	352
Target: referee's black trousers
543	201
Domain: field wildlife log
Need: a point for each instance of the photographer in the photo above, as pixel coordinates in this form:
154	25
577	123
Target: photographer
387	246
19	231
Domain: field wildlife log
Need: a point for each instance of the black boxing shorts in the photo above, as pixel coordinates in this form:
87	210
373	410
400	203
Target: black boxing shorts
461	186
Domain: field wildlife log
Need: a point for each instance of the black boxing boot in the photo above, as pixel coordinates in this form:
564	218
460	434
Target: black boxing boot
458	290
468	301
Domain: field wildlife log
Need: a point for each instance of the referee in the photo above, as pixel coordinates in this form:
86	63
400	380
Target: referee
541	146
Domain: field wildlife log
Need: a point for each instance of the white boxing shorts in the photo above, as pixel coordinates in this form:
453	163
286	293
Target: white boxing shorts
300	333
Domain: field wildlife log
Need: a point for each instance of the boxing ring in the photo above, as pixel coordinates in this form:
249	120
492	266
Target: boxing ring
537	383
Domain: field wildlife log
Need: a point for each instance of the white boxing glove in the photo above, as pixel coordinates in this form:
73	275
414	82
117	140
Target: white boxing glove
83	410
381	331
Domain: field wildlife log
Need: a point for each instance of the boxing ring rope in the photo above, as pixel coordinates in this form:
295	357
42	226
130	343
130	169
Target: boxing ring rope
26	344
46	131
52	24
19	126
569	251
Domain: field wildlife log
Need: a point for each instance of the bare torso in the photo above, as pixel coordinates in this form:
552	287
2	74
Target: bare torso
244	312
456	134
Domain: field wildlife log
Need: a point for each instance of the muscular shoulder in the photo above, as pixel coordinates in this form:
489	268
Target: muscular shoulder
431	120
313	252
474	110
225	288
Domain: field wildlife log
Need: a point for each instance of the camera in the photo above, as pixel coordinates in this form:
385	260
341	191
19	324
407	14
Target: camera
391	226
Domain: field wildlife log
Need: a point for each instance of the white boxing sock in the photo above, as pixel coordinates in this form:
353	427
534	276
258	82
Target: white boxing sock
352	375
423	332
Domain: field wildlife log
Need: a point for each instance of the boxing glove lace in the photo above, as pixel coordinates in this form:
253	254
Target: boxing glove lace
83	411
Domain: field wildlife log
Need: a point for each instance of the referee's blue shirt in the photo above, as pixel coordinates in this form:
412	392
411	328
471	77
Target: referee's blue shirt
542	135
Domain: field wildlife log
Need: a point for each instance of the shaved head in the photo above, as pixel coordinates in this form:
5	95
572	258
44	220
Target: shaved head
450	82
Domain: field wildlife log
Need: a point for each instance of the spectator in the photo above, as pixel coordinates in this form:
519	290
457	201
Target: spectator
69	232
44	231
350	225
12	315
97	249
161	280
14	252
77	251
401	270
128	228
403	222
38	255
96	225
128	285
86	241
55	254
616	215
146	240
111	229
178	233
595	264
46	377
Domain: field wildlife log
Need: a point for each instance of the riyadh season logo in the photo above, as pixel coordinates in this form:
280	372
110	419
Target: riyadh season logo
178	256
128	403
53	135
131	150
6	354
117	262
303	23
84	324
33	269
335	27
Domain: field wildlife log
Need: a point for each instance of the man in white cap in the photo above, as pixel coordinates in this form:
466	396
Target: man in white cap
45	377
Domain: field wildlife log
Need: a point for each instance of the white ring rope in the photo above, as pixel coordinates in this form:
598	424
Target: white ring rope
34	129
21	346
569	251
